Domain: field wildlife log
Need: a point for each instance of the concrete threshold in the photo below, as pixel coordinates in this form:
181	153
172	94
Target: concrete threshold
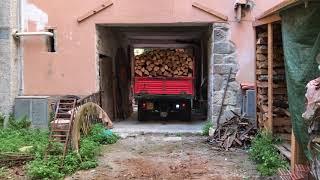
129	128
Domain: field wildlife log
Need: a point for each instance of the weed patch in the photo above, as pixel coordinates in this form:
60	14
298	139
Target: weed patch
206	127
90	146
17	136
266	156
21	123
12	140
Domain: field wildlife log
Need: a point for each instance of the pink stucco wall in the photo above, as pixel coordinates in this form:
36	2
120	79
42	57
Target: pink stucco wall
72	69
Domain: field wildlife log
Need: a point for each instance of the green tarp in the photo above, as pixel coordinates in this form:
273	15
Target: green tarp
301	42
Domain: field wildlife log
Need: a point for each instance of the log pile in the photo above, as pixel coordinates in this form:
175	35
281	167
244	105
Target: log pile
164	63
262	77
281	115
235	132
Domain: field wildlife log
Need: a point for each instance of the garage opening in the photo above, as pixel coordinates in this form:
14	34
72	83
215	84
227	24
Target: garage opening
159	73
167	55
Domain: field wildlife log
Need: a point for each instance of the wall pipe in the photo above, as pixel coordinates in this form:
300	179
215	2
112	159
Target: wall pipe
18	34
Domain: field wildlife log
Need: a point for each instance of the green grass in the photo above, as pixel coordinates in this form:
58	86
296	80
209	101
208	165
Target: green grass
266	156
18	135
11	140
206	127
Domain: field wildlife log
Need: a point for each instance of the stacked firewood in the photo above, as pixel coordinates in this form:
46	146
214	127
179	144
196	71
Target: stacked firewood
164	63
262	77
281	115
235	132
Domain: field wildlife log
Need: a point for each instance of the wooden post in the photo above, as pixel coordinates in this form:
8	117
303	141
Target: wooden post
270	78
297	155
294	151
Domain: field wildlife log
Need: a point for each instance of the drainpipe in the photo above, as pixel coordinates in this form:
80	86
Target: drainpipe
19	49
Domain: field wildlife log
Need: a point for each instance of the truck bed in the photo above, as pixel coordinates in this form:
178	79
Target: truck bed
163	86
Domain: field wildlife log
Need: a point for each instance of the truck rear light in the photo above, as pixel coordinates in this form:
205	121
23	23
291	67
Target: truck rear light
183	105
144	105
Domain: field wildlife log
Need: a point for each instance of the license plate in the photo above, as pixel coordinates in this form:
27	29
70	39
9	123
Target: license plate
163	114
150	106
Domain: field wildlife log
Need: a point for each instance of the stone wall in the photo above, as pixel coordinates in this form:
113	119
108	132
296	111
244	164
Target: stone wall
223	57
9	61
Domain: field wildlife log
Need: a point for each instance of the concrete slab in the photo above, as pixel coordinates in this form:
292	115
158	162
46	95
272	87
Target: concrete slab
130	127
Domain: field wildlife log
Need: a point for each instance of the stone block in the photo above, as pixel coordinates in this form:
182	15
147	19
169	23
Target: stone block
217	82
217	97
220	34
218	58
225	68
224	48
223	26
231	98
215	109
234	86
230	59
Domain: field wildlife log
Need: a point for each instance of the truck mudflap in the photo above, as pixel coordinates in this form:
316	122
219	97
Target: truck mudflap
164	109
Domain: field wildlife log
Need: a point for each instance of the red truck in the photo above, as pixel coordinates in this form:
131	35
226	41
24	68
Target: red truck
164	97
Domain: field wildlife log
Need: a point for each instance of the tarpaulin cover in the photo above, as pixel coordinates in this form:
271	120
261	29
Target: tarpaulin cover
301	43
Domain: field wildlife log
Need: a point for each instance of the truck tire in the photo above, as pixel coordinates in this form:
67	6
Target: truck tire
139	115
188	111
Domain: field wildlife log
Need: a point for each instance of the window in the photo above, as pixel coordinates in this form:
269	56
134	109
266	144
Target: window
51	41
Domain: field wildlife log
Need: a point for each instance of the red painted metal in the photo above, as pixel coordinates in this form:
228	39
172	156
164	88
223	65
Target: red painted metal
164	86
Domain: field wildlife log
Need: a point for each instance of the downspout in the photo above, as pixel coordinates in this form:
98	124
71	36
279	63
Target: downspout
19	50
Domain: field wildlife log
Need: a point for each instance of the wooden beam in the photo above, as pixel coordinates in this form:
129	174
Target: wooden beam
267	20
210	11
277	8
95	11
270	78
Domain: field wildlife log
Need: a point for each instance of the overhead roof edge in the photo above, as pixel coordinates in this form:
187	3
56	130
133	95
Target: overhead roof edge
275	9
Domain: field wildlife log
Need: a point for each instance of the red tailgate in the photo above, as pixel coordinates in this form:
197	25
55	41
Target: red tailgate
168	86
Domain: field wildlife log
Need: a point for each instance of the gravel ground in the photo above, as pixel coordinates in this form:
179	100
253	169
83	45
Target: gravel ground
169	157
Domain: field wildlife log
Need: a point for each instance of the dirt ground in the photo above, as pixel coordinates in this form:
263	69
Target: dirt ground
169	157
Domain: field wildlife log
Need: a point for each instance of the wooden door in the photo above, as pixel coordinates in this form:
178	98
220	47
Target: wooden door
106	85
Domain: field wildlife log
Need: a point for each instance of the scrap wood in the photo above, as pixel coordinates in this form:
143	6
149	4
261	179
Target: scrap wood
238	131
11	159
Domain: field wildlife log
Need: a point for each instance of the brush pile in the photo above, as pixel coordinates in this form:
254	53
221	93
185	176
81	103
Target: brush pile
164	63
238	131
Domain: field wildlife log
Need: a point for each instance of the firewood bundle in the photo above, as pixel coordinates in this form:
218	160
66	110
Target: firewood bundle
164	63
235	132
